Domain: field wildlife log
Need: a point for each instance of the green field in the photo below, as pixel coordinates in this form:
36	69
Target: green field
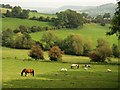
88	31
31	14
36	14
48	74
14	23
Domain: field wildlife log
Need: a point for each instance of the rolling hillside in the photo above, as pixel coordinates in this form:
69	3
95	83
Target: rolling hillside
14	23
89	31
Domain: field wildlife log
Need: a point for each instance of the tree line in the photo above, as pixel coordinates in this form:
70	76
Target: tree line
72	45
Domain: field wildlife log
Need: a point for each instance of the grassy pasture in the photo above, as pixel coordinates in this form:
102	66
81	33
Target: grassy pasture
36	14
88	31
14	23
48	74
4	10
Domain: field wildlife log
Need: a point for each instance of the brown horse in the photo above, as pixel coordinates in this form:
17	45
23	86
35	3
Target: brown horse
27	71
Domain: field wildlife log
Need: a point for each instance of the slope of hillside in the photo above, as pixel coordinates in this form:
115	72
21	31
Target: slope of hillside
89	31
36	14
14	23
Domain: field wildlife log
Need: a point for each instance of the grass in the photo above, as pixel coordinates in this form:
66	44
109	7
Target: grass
14	23
36	14
4	10
51	77
48	74
88	31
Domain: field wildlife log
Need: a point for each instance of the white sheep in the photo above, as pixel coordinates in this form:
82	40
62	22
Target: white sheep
108	70
63	69
86	68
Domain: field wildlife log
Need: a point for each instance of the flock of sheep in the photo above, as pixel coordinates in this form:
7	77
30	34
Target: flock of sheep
77	66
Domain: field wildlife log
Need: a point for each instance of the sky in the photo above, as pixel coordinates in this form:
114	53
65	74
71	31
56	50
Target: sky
56	3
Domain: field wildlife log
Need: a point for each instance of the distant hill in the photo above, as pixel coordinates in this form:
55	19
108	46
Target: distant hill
106	8
91	10
76	8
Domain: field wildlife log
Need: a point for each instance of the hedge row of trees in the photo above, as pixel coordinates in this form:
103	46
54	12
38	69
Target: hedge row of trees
72	44
32	29
6	6
21	41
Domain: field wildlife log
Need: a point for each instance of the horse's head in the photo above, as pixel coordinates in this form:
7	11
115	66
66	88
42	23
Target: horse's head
22	72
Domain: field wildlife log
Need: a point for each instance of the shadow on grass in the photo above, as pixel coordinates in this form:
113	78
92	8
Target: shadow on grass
65	80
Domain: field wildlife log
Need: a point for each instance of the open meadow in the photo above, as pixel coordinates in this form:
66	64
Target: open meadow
48	74
14	23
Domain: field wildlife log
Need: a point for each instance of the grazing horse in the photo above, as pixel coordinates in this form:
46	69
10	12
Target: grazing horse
74	65
27	71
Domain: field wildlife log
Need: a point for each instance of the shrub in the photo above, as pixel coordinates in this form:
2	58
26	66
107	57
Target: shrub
102	51
73	45
55	54
48	40
36	52
88	46
115	50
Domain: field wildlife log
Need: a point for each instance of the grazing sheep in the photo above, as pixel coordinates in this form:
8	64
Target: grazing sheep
63	69
86	68
87	65
108	70
75	65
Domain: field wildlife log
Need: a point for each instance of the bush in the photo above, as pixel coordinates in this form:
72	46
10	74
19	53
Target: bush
88	46
48	40
115	50
102	51
55	54
36	52
73	45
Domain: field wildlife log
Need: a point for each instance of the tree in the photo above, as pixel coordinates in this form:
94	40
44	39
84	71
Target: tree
115	50
16	11
115	25
23	29
23	41
8	13
73	45
55	54
101	52
99	19
69	19
48	40
24	14
88	46
36	52
106	15
7	38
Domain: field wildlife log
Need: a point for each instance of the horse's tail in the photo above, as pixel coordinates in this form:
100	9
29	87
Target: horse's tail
22	72
33	72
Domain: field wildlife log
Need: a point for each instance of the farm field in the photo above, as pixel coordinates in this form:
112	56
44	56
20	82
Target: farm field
36	14
14	23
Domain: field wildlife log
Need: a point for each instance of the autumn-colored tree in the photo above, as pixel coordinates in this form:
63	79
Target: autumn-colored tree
73	45
55	54
36	52
102	51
